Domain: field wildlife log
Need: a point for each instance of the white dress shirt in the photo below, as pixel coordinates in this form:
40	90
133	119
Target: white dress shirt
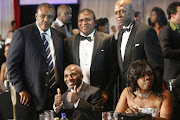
125	38
85	54
49	40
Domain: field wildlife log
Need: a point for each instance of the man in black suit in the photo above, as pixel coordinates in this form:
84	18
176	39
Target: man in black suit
95	53
63	20
135	41
35	61
81	101
169	38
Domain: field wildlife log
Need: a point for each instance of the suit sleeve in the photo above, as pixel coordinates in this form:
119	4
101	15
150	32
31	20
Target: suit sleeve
167	45
15	61
113	65
92	105
153	51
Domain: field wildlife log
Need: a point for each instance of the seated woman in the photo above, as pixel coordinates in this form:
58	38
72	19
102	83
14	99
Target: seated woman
145	93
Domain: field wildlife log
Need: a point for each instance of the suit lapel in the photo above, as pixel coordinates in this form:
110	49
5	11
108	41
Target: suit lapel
82	91
128	51
97	42
119	50
38	41
76	49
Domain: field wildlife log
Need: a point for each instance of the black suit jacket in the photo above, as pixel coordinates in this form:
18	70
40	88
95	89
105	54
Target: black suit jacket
103	70
27	64
89	107
143	43
170	43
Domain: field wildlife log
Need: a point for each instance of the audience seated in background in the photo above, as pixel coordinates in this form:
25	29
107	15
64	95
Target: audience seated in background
81	101
157	19
9	38
103	25
144	93
13	25
3	67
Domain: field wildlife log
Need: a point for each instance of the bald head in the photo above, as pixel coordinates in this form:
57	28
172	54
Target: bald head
64	13
124	12
74	67
73	76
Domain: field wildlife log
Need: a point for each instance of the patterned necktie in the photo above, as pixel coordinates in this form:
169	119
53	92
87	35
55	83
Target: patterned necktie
51	81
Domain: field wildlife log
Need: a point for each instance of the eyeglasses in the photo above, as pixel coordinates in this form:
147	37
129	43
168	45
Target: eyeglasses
87	20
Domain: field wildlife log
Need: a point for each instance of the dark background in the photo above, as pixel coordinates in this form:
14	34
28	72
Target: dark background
27	14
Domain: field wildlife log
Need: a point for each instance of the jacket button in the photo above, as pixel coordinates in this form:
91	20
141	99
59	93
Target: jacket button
47	73
46	85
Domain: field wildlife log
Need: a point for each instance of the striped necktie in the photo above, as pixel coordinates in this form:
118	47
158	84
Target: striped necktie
51	81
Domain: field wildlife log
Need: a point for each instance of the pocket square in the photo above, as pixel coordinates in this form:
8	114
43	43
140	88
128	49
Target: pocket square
102	50
136	45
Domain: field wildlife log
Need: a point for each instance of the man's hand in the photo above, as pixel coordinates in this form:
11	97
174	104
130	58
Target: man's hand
58	98
25	97
73	97
104	97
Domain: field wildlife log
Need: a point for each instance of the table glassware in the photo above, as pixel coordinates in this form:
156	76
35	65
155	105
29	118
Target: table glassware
50	115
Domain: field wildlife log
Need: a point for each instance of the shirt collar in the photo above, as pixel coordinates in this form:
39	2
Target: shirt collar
173	26
48	32
129	26
90	35
79	88
59	22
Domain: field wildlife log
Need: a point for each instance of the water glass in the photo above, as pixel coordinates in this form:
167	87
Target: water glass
42	116
50	115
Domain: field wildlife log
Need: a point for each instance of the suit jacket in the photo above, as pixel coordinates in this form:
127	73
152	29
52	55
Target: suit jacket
27	64
56	25
89	107
103	70
143	43
170	43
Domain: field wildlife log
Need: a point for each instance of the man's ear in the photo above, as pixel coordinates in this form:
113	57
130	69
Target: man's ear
36	15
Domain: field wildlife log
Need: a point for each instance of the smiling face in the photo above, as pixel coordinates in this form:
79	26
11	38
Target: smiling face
73	76
44	17
145	82
123	12
86	23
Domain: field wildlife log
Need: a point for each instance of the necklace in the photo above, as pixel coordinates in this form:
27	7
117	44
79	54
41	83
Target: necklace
144	95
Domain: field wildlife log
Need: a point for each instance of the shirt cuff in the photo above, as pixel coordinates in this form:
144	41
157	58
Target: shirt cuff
57	108
77	103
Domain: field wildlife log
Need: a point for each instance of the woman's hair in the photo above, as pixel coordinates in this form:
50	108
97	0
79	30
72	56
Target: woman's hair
161	17
137	70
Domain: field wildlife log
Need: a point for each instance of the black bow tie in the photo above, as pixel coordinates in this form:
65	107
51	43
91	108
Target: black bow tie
85	38
126	29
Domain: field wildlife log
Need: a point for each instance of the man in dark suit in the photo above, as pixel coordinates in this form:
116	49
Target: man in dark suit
81	101
135	41
95	53
35	60
63	20
169	38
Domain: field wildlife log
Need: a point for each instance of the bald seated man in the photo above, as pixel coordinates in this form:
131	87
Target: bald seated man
81	101
63	20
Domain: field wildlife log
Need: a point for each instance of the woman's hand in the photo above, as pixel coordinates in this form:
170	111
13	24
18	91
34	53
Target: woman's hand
132	110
